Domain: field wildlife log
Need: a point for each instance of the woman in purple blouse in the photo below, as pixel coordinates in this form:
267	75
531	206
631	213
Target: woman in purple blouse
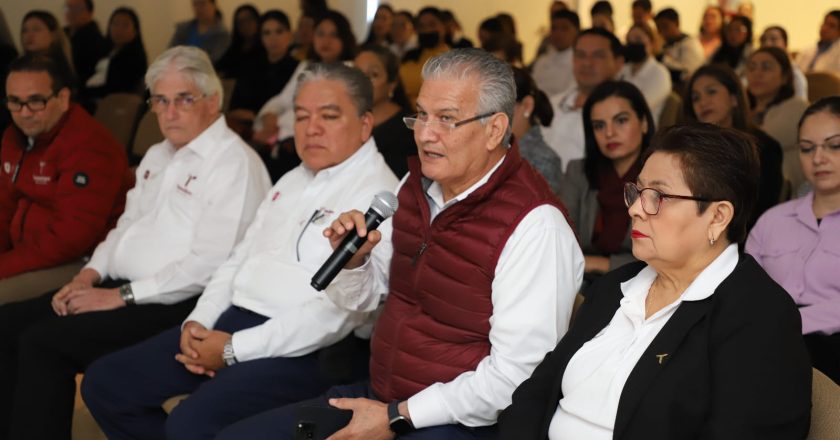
798	242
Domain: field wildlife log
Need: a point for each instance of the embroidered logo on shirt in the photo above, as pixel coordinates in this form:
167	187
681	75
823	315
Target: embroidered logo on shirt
146	175
81	179
183	188
275	196
40	178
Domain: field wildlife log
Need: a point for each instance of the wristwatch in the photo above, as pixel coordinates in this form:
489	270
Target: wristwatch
227	354
127	294
399	423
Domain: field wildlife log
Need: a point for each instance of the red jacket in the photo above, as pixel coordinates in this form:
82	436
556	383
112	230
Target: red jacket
436	321
58	200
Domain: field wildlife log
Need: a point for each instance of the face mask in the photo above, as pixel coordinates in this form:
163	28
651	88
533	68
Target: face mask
634	52
428	40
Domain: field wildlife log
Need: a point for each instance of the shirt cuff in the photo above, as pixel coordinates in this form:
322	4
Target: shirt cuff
248	344
345	291
143	290
207	318
428	408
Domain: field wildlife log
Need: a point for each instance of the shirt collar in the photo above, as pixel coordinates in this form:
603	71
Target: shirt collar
434	192
203	144
701	288
363	152
804	211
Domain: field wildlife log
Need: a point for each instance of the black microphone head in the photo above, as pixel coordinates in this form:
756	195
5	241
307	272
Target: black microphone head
385	203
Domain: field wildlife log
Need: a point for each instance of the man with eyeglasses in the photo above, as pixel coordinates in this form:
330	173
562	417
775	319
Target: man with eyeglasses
63	179
258	334
478	276
597	56
195	194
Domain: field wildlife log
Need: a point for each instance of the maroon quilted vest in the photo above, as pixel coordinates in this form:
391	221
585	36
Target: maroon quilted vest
436	320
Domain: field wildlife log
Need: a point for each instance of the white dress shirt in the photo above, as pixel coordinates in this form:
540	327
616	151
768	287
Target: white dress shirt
552	71
409	45
565	134
270	270
685	55
532	305
828	61
653	80
283	106
188	209
595	376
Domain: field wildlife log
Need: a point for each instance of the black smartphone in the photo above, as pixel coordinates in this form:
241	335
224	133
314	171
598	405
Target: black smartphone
320	422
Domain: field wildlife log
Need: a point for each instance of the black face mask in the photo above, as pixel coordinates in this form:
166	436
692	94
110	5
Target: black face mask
428	40
634	52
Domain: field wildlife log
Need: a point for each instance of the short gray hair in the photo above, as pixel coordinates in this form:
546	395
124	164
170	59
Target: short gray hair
357	83
192	62
496	87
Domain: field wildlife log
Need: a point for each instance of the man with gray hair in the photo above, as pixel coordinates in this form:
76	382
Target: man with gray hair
256	337
196	193
479	265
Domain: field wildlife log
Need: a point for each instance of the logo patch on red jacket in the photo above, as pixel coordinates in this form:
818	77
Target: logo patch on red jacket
81	179
7	167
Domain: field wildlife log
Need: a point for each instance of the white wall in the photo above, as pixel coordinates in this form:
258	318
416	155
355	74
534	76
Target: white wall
158	17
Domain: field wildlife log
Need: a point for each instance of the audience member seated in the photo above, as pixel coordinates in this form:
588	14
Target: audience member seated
602	16
643	70
693	341
245	48
798	242
711	30
825	56
255	337
489	28
402	34
505	47
380	27
40	34
64	177
736	46
469	313
431	41
332	42
776	36
454	32
269	74
715	96
598	57
394	141
773	106
86	41
196	193
681	54
532	110
205	31
121	70
310	12
618	127
8	52
554	7
553	70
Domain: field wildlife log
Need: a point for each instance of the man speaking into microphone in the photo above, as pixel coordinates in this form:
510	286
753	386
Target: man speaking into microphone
254	339
479	268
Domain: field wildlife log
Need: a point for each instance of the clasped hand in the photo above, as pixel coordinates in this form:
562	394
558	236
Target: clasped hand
201	349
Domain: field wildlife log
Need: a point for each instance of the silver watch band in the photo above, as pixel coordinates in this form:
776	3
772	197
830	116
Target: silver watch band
227	354
127	294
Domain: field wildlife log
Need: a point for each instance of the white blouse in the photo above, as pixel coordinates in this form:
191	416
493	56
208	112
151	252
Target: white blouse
595	376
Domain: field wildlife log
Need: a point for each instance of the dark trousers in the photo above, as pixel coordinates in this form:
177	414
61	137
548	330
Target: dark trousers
281	423
825	354
124	391
41	353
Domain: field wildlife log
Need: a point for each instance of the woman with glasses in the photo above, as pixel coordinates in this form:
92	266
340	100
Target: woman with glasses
715	96
695	340
618	128
798	242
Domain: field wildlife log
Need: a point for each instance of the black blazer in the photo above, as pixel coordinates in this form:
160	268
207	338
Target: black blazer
737	367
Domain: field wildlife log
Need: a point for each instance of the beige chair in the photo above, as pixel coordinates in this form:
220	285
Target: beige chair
671	111
576	307
148	133
822	84
118	112
825	409
228	85
31	284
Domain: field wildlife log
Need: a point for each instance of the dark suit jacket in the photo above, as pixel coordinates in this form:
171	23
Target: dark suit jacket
737	367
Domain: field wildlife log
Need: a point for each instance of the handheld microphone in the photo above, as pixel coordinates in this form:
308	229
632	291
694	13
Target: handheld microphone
383	206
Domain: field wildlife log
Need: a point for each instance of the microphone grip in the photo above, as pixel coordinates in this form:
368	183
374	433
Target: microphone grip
344	252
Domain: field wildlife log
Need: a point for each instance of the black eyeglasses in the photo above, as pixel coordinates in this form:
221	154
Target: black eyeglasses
652	198
35	104
412	121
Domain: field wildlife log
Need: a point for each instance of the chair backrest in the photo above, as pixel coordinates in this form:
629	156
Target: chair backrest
670	111
227	91
822	84
825	409
118	112
148	134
